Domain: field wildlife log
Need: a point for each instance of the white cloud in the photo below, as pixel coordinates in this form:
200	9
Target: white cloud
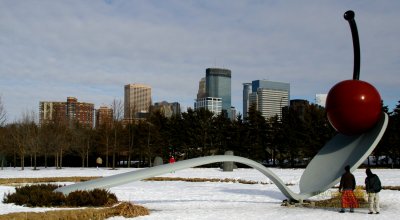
90	49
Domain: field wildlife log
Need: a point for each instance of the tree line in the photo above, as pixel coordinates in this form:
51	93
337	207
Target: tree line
289	141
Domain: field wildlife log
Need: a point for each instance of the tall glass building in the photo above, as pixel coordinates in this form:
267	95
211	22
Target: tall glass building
218	84
246	93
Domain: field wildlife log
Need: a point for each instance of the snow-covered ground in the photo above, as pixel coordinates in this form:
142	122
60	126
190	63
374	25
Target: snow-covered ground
217	200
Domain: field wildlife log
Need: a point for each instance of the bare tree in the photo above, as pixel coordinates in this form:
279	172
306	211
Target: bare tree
131	135
29	135
32	138
17	132
46	136
2	132
117	108
3	114
78	141
3	145
131	128
105	130
63	144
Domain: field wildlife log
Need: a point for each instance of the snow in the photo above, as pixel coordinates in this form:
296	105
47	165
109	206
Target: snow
216	200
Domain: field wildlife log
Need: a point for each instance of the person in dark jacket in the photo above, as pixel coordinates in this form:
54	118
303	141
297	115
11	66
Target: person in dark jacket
373	187
346	187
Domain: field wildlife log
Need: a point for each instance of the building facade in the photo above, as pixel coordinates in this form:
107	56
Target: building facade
167	109
299	106
320	99
246	93
104	116
269	97
213	104
201	93
218	85
69	112
137	100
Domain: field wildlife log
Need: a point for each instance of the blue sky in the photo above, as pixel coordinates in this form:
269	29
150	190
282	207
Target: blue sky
51	49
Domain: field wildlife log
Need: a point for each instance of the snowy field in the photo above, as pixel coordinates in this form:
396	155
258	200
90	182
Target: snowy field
214	200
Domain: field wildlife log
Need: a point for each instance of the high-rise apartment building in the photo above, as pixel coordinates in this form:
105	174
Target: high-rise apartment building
104	116
69	112
137	100
268	97
218	85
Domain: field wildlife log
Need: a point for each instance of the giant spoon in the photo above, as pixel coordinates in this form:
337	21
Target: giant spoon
350	147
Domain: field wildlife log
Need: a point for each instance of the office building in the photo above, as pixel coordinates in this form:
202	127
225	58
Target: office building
246	93
69	112
104	116
167	109
137	101
218	85
269	97
201	93
233	114
213	104
299	106
320	99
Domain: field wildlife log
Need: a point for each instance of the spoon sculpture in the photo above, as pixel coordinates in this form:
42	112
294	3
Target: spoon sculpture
350	147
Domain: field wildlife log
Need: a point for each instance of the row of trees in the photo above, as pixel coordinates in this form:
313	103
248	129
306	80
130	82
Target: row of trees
290	141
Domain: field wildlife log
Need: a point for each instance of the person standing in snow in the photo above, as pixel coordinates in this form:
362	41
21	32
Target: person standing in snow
373	187
346	187
172	159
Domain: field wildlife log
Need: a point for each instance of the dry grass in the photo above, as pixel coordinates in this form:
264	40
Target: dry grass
226	180
16	181
335	200
126	209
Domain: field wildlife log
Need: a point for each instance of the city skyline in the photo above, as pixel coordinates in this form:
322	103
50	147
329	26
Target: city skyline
91	49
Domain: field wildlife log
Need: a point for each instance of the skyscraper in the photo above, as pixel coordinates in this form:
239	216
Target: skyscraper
269	97
137	99
218	85
246	93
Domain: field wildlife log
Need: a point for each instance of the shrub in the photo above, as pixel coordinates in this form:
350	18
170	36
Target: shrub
101	197
44	195
78	198
36	195
96	197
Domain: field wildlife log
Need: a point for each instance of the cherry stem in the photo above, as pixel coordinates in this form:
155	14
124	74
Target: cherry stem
349	16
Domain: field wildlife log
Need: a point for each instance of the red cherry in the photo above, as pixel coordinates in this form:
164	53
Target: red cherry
353	106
